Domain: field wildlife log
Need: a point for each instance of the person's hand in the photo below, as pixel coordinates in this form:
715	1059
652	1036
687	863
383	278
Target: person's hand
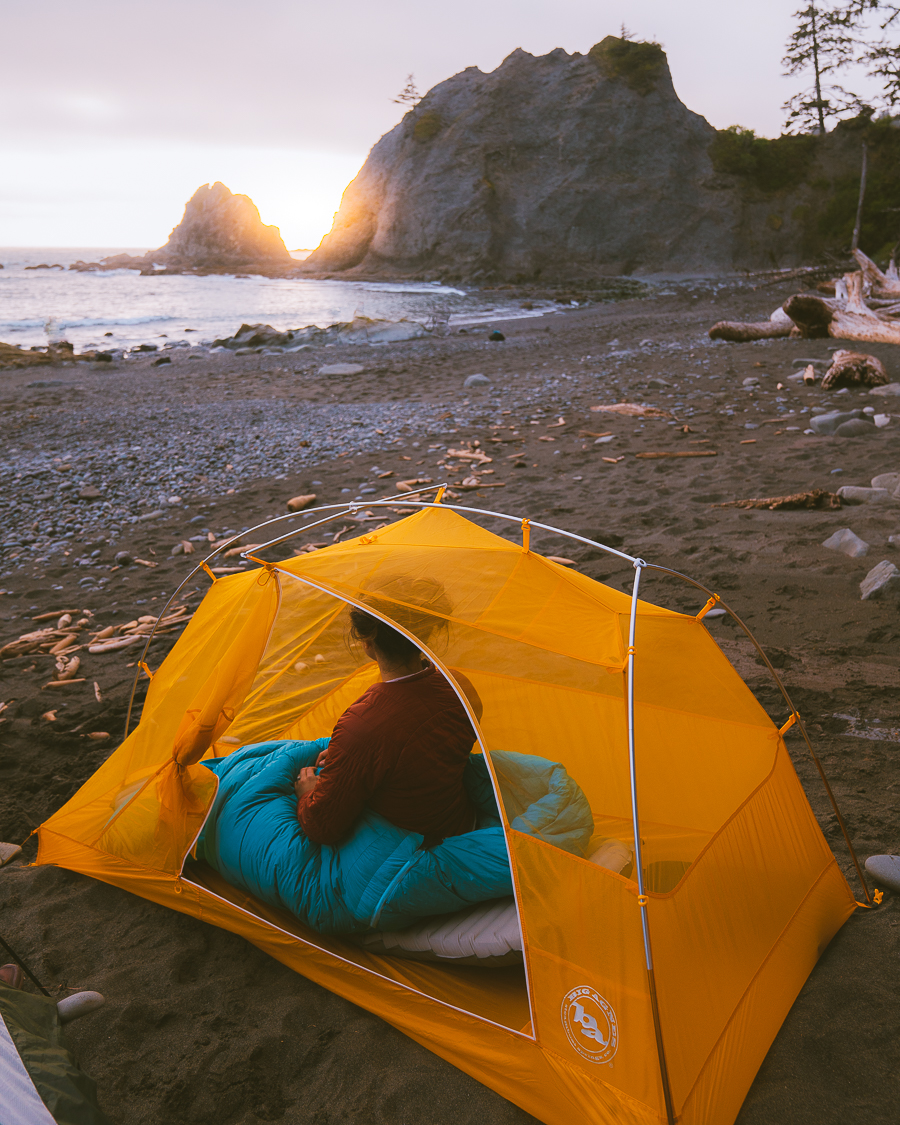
306	781
320	761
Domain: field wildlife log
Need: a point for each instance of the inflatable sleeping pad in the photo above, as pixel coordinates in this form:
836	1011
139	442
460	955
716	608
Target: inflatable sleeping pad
379	877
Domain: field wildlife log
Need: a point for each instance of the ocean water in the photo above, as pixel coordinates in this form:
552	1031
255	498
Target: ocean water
88	307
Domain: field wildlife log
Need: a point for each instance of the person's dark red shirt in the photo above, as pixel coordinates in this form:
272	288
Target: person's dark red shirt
400	749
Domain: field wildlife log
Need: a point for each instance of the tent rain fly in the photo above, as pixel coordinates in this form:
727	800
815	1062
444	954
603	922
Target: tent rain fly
644	996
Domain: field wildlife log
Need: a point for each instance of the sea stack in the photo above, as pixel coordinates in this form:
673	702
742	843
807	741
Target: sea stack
220	228
552	166
220	233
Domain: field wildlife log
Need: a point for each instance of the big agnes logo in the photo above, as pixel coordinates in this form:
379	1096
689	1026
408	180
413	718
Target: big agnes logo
590	1024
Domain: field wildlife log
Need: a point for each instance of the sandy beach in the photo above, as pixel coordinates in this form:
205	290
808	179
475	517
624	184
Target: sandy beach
200	1027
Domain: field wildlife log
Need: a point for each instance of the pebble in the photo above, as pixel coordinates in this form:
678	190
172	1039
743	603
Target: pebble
123	559
298	503
340	368
477	381
852	494
496	335
139	459
750	381
887	389
884	577
890	481
162	359
845	541
89	492
658	383
605	440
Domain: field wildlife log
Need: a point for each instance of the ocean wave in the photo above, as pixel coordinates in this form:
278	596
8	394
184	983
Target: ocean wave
86	322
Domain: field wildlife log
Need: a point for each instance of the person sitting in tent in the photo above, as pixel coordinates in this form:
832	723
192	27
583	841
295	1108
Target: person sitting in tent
400	749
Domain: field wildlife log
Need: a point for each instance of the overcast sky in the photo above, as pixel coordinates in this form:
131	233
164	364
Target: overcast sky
113	112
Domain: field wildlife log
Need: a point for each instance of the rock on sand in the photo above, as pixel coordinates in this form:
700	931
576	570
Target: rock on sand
342	369
848	543
881	579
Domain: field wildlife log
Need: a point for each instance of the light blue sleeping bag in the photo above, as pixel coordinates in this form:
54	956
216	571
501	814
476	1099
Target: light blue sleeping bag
379	877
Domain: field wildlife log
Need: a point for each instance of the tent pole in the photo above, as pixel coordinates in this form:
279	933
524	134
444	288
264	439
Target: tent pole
643	900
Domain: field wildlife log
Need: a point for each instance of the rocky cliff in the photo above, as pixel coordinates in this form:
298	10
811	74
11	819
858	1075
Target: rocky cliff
557	165
220	233
567	167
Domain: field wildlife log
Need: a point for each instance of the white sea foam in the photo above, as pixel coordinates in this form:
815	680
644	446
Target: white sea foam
136	309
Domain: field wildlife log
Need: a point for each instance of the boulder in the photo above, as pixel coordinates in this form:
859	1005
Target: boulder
254	336
856	427
251	338
828	423
881	579
845	541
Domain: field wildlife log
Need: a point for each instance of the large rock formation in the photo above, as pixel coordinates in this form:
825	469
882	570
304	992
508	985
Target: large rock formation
557	165
220	233
220	227
568	167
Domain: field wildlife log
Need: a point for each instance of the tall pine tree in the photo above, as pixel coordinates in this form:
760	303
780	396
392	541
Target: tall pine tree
880	45
823	42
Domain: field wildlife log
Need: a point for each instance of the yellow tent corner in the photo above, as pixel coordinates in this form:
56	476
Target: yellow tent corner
741	892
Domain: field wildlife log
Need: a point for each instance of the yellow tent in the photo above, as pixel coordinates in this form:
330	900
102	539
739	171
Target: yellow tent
735	894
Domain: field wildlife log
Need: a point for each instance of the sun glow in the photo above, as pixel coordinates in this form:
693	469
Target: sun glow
142	192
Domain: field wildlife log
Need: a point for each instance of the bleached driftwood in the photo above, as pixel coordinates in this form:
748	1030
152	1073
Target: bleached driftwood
816	317
738	332
855	299
880	284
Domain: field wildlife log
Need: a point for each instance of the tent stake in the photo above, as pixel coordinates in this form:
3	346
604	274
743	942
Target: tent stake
643	900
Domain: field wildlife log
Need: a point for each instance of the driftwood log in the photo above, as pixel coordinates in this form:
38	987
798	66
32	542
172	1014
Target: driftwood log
738	332
816	498
817	317
881	285
854	369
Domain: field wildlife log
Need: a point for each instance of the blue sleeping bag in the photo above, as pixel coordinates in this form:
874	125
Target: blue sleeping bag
379	877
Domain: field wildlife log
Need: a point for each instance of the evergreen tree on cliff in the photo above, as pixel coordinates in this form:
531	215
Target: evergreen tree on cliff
823	42
881	53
